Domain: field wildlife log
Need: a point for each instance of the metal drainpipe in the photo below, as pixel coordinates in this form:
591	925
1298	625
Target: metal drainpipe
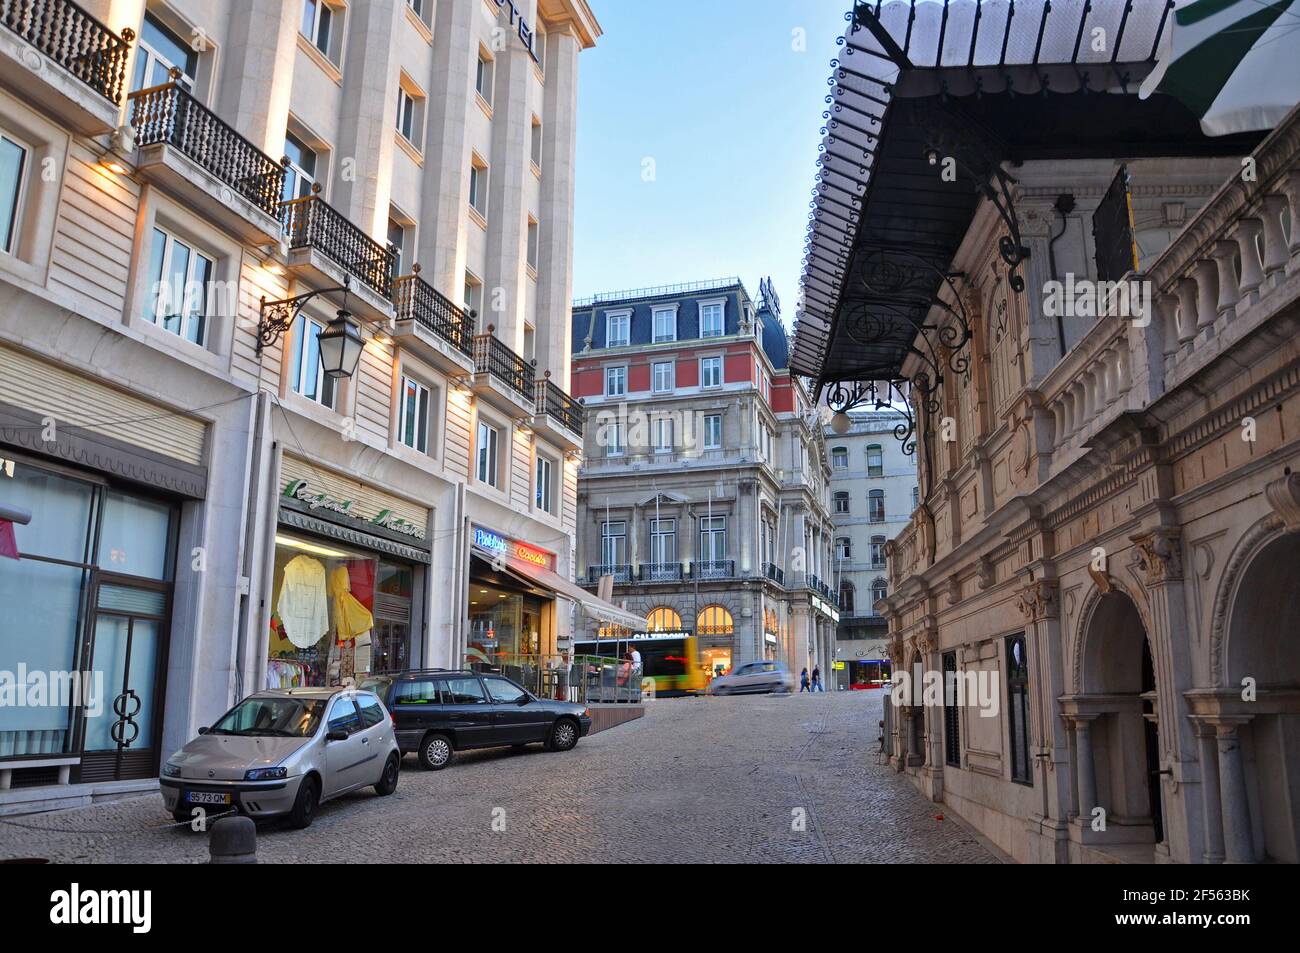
260	412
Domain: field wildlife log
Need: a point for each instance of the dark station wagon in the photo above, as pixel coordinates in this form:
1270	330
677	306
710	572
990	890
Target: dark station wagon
441	711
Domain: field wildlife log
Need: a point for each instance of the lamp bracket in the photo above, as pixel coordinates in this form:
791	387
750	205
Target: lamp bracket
276	317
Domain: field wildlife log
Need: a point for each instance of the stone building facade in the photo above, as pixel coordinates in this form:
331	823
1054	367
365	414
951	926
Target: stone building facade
704	485
203	199
873	494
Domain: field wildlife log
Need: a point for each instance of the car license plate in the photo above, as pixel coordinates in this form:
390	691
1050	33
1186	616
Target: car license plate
206	797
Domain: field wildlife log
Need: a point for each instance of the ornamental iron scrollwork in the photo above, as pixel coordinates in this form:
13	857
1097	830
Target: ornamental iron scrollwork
126	706
845	396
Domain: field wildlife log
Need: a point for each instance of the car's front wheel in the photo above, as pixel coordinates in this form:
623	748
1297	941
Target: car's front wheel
304	806
388	780
564	735
435	752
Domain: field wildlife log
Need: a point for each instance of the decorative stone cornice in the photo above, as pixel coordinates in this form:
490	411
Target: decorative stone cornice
1039	600
1284	496
1160	554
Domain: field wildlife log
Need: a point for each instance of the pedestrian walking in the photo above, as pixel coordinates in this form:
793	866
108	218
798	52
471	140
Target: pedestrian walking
803	681
817	679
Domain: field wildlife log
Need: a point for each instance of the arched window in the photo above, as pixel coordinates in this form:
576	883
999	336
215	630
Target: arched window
879	590
877	552
663	619
876	506
839	458
714	620
875	460
846	597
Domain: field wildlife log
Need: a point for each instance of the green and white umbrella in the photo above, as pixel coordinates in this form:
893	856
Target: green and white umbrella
1235	63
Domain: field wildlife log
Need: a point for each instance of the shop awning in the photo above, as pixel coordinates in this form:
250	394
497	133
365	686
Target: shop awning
544	578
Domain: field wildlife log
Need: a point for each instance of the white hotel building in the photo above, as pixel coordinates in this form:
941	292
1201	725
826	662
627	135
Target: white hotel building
198	508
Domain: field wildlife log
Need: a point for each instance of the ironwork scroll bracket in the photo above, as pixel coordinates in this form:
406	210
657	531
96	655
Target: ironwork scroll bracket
276	317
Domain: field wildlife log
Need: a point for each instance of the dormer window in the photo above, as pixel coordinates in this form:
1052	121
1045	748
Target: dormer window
618	328
711	322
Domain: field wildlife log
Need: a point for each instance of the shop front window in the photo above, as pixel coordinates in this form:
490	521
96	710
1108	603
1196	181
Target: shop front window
337	614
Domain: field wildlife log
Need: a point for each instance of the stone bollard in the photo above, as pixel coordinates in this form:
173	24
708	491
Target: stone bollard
233	840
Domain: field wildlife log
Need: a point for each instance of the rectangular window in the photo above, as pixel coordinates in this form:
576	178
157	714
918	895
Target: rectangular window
616	444
1018	708
713	539
951	713
841	502
663	433
839	458
535	143
713	432
916	497
665	324
13	175
305	374
615	381
544	491
843	548
877	552
534	242
483	76
663	542
487	469
408	116
876	506
664	377
613	543
318	24
618	329
875	461
300	174
478	185
397	238
473	294
180	278
711	320
413	420
710	372
157	52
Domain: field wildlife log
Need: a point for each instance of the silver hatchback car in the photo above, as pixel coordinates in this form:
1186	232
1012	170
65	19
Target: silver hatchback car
765	676
284	752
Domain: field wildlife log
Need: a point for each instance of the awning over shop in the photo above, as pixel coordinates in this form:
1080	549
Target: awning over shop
971	88
543	578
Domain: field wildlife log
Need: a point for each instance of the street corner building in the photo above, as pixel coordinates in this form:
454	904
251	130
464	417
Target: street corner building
702	497
1088	291
284	357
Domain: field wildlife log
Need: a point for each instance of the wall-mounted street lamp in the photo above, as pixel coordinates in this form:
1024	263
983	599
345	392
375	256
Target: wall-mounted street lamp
340	343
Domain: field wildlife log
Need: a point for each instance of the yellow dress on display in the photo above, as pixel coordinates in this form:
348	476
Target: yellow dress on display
351	618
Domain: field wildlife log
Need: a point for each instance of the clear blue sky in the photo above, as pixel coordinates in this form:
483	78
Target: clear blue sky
716	95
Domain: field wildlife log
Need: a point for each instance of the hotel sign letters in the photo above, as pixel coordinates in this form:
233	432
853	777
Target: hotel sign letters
524	30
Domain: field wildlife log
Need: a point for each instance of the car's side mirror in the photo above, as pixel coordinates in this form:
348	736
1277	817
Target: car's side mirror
523	700
338	734
203	730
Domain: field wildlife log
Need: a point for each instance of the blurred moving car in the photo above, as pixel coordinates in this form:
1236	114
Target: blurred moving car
765	676
440	711
284	752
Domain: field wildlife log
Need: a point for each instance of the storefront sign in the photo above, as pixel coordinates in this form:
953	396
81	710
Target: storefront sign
500	545
769	638
525	32
303	492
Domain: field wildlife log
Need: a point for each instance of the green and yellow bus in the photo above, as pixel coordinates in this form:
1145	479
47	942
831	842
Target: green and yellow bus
670	659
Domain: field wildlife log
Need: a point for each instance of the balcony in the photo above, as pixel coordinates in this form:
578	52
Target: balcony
433	327
557	415
187	149
326	248
622	573
502	377
714	569
774	573
662	572
61	59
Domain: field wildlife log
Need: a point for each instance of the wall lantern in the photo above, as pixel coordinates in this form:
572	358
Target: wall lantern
340	343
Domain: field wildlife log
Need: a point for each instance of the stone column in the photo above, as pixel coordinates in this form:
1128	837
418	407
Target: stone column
1086	769
1238	842
1211	799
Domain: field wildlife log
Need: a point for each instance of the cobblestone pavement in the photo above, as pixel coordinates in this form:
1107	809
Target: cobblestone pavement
696	780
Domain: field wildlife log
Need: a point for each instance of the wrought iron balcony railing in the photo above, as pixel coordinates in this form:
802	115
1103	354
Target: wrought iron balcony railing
311	222
621	573
419	301
492	356
775	573
169	114
556	403
71	37
714	569
661	572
